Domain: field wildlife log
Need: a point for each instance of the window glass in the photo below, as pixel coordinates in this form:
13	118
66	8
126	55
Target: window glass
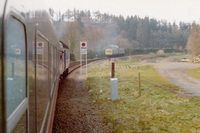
58	61
67	54
15	65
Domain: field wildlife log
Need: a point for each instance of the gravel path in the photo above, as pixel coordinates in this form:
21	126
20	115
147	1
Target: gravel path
177	73
74	111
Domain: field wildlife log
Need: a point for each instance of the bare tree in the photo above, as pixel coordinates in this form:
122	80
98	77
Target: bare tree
73	35
193	43
123	42
94	36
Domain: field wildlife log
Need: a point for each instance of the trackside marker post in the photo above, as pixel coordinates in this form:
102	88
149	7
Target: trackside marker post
114	88
83	50
113	84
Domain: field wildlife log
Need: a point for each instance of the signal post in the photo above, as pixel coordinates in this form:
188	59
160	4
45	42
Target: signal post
83	50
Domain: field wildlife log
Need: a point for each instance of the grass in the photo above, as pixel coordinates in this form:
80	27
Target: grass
181	56
159	109
195	72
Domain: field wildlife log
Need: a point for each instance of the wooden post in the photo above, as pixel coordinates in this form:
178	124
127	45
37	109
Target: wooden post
139	84
113	70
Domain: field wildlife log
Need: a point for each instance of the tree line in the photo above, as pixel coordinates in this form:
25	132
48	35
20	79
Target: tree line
132	32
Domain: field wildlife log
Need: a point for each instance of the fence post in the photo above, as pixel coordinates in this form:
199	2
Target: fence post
139	84
113	70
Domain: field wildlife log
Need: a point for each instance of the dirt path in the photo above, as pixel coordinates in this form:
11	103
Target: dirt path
177	74
74	111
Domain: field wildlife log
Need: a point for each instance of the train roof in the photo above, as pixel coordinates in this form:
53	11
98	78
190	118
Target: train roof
64	45
112	46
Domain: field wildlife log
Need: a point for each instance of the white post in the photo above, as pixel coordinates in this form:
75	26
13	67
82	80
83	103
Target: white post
83	50
81	62
114	88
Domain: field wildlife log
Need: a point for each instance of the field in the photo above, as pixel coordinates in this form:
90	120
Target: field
195	72
159	109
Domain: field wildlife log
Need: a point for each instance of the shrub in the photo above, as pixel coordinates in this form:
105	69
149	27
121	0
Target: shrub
160	53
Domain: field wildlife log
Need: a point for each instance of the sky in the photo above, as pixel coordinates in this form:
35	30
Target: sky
170	10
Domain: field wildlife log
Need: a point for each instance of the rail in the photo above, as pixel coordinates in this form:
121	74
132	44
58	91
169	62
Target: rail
75	65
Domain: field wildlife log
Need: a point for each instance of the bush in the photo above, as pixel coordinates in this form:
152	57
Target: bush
160	53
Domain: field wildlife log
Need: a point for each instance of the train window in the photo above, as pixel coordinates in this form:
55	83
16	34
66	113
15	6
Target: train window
58	61
15	65
42	80
67	54
52	70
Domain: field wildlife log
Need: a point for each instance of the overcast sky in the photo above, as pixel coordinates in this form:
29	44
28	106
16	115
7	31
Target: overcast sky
170	10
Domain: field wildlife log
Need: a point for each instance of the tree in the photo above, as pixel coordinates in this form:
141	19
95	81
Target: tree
143	33
73	35
132	28
193	44
100	30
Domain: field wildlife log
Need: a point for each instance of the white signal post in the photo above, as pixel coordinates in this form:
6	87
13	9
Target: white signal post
40	48
83	50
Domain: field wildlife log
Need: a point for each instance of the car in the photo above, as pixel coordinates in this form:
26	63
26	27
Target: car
185	60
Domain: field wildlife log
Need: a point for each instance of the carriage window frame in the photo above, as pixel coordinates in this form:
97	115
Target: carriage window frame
52	68
22	107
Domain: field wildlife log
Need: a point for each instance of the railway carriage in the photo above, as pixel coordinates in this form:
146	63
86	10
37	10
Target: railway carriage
114	51
29	76
65	57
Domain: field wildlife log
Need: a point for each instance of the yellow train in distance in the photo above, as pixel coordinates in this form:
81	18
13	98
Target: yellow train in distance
114	52
108	51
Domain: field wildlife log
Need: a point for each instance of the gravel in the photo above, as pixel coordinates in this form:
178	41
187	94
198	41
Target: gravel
177	73
74	109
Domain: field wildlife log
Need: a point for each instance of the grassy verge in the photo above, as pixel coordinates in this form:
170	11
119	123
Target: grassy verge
181	56
195	72
157	110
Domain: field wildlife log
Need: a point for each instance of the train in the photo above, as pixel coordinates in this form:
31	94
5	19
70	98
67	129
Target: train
114	51
33	61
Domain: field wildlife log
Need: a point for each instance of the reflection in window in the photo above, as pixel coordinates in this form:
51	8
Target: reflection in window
52	69
55	69
15	65
42	82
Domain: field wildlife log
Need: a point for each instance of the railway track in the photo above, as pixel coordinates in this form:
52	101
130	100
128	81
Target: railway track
75	65
74	109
